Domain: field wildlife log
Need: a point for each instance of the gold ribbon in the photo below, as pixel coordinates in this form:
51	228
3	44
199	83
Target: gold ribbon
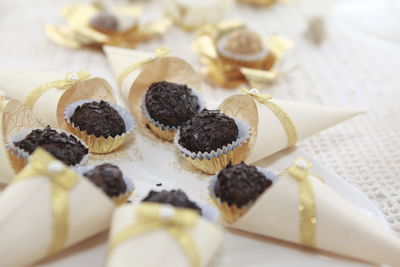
282	115
308	213
161	52
62	181
70	80
177	222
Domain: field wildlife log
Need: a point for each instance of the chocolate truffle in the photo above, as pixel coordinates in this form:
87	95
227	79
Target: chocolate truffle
98	118
109	178
240	184
244	42
171	103
176	198
104	22
66	148
207	131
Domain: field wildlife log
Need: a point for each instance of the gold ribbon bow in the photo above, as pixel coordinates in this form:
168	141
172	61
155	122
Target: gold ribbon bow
70	79
308	213
62	181
161	52
282	115
176	221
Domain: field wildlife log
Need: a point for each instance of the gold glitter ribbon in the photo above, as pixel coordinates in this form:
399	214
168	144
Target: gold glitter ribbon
308	213
176	222
70	80
161	52
282	115
62	181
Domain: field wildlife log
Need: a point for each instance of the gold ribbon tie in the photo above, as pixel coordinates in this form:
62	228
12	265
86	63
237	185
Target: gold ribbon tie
161	52
64	84
62	181
308	212
176	222
282	115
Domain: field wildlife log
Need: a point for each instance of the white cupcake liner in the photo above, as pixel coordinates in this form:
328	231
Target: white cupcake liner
22	154
236	56
164	127
130	185
128	119
243	137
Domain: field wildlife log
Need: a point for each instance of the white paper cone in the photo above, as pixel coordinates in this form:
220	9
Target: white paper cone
193	13
13	117
17	84
134	86
158	248
270	136
26	218
341	227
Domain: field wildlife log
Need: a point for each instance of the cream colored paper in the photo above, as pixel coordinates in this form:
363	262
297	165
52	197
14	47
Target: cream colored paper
342	228
268	133
17	84
14	116
26	218
134	86
158	248
191	14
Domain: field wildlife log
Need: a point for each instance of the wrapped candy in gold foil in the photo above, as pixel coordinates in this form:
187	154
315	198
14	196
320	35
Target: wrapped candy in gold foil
94	25
13	117
300	208
191	14
48	207
234	54
138	232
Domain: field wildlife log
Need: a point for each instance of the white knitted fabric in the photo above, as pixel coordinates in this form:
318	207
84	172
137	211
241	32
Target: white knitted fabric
342	72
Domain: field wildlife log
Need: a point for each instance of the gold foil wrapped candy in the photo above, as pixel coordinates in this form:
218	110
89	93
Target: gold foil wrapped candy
48	207
139	232
94	25
234	54
300	208
191	14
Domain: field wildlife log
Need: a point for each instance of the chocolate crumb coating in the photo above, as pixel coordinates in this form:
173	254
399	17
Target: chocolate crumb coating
109	178
171	103
98	118
245	42
176	198
207	131
240	184
66	148
104	22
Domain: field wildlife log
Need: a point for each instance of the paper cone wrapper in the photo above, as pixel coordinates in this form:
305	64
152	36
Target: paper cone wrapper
190	14
13	117
141	250
49	108
342	228
268	134
135	85
26	220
